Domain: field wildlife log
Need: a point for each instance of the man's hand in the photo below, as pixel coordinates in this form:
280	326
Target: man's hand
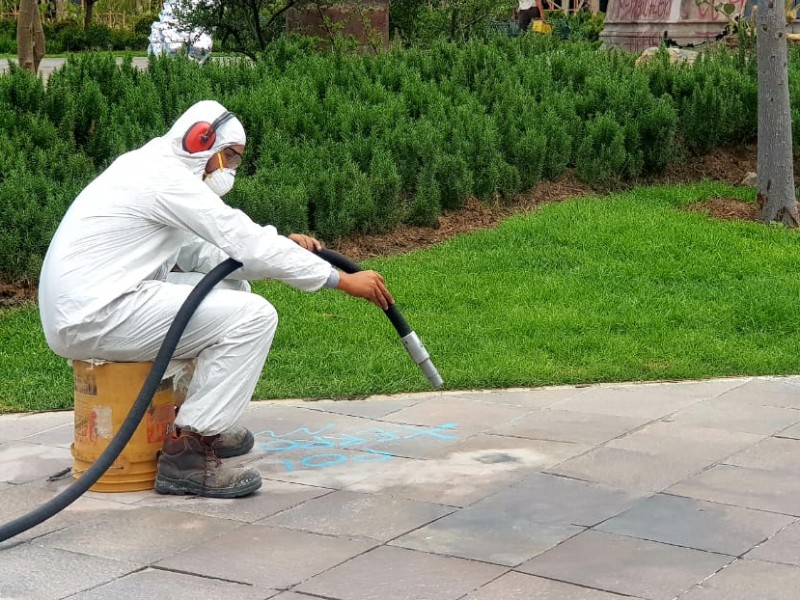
368	285
306	241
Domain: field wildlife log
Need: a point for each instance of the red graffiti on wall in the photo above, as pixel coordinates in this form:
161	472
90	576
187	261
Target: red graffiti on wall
641	9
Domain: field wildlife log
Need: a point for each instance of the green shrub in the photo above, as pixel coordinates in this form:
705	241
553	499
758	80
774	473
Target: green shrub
426	206
343	143
601	154
269	199
454	180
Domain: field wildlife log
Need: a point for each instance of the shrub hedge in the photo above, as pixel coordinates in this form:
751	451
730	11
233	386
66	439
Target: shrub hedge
341	144
68	35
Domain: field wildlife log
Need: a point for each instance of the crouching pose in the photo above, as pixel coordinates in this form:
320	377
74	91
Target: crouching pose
107	290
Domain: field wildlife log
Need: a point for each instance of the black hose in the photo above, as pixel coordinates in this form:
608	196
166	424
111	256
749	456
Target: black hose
153	380
140	405
348	266
410	339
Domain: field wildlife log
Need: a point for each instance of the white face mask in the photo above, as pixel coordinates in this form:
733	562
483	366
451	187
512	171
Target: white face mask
221	181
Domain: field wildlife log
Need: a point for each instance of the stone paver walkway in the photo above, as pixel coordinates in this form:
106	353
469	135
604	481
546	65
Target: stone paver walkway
656	491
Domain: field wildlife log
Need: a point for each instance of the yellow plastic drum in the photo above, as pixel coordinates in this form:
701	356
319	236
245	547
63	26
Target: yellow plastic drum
104	394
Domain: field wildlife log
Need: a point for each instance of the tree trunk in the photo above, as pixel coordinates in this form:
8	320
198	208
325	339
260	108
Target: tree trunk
89	14
30	36
776	196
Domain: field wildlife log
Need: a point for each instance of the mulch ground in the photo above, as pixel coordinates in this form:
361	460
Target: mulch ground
727	164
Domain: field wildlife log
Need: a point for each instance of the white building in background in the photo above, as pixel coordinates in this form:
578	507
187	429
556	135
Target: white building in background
168	37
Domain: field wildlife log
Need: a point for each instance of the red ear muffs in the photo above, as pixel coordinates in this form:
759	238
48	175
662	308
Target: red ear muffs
202	135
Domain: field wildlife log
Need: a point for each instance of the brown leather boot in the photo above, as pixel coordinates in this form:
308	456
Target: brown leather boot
188	464
234	442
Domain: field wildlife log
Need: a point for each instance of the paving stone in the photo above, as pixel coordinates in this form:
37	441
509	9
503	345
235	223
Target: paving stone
569	426
545	498
404	440
21	462
396	574
734	415
17	427
18	500
488	536
650	401
749	580
697	524
751	488
271	498
124	497
791	432
304	430
469	415
626	565
533	455
475	449
518	586
272	422
771	454
331	469
373	407
783	547
266	556
767	391
141	534
637	471
527	398
155	583
36	573
465	476
696	445
61	436
378	517
655	457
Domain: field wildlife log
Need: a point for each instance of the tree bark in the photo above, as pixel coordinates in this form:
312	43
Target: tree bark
88	14
30	36
776	195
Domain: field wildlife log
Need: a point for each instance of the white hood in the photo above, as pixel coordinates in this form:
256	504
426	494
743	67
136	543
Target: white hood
230	133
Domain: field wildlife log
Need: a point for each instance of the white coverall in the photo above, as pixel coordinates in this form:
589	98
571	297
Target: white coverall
103	292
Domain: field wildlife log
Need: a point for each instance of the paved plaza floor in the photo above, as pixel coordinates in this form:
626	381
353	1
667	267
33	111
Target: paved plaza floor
48	65
654	491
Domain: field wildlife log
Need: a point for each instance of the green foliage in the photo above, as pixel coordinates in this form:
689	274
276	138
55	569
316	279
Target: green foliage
577	27
68	35
601	154
342	144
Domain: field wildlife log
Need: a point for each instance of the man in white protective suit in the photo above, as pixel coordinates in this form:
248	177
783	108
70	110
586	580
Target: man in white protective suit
107	290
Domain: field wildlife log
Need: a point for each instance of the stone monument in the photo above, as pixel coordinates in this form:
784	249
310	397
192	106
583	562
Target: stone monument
639	24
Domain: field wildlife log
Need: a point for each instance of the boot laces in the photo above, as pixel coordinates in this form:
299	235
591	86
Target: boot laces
210	456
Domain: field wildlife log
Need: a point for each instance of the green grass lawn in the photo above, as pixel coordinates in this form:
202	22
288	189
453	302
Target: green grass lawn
620	288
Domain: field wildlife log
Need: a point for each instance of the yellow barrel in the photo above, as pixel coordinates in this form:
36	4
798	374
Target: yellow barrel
104	394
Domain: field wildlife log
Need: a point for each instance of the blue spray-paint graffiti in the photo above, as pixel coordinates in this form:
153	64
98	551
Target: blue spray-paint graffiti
327	439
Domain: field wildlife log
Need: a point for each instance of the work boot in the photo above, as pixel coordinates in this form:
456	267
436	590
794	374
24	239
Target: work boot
236	441
188	464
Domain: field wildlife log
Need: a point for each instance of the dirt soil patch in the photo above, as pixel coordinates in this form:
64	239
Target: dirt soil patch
726	208
730	165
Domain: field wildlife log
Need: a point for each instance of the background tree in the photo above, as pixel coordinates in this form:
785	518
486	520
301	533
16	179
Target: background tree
30	36
452	19
88	14
245	26
776	195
